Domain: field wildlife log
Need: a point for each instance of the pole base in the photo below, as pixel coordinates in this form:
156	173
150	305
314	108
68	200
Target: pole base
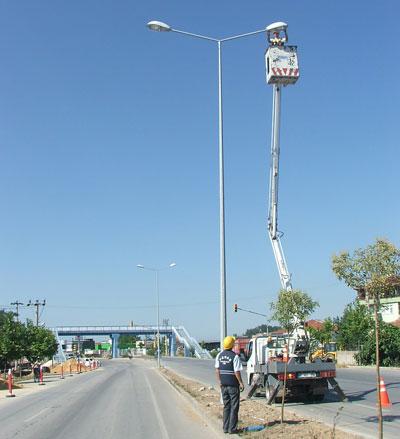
42	384
10	395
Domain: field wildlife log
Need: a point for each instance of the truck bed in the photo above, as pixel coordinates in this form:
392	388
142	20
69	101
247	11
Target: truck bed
277	367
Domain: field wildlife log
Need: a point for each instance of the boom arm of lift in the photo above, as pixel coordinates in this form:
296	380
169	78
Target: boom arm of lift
274	234
298	340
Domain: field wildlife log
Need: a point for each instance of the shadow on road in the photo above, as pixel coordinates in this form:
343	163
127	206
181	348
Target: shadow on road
386	418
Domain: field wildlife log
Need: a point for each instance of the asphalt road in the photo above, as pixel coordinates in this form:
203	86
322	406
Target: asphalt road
124	399
358	415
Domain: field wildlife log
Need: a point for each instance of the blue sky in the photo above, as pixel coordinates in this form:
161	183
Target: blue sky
109	155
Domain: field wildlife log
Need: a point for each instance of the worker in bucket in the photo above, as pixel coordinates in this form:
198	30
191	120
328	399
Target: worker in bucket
228	367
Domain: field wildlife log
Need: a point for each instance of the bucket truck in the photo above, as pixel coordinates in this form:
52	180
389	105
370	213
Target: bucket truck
268	354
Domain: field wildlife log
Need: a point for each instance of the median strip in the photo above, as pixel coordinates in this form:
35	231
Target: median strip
254	413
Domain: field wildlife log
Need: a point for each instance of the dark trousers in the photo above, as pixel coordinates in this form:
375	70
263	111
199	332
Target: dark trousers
231	399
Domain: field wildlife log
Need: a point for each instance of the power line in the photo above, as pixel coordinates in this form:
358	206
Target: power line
17	304
37	304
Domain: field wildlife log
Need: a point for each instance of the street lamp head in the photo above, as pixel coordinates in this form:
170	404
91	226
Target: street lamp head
277	33
140	266
277	26
158	26
173	264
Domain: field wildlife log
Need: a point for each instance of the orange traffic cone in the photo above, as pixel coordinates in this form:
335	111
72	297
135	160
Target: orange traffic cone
385	402
285	354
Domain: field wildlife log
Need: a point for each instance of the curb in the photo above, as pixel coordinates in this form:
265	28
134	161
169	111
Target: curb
212	423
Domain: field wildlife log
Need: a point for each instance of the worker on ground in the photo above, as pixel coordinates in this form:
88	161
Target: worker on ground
36	373
228	367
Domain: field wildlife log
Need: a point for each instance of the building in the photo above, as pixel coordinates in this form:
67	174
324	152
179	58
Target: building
390	306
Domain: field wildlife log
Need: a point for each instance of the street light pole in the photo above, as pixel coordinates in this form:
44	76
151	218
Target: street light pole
222	263
159	26
156	272
158	321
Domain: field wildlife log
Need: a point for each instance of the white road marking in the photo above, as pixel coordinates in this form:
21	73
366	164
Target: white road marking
37	414
365	406
160	419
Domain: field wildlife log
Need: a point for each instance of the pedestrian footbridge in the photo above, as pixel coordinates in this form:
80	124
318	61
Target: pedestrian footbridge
174	334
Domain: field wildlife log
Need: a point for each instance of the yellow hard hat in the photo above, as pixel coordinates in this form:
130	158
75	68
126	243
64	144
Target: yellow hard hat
228	342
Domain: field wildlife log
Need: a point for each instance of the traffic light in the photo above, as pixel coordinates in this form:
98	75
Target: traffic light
235	307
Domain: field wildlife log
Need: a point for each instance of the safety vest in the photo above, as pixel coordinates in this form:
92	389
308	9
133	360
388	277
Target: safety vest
226	372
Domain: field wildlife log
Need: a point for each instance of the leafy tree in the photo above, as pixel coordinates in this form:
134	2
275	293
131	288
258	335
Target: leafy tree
19	340
40	343
389	347
325	334
127	341
259	330
374	272
291	309
88	344
12	336
355	327
3	316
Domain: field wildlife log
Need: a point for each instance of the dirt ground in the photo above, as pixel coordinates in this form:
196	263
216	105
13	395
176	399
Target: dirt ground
256	413
71	362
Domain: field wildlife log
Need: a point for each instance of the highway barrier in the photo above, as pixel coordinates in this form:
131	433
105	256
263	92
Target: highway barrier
70	370
62	372
10	384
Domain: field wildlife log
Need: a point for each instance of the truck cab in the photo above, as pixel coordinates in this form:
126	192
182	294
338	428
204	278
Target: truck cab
262	349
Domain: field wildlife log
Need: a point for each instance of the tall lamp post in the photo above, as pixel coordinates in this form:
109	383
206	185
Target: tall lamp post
156	272
159	26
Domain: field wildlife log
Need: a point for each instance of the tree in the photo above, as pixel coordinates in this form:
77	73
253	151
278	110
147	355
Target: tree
355	327
373	272
12	336
127	341
88	344
40	343
260	330
291	309
389	347
326	333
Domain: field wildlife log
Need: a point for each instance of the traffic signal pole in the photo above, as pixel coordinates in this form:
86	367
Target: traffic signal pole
236	308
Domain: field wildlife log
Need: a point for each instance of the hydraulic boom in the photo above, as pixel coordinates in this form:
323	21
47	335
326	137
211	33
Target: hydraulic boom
274	234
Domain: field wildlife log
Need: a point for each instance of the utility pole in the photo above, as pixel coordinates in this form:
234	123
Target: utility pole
37	304
17	304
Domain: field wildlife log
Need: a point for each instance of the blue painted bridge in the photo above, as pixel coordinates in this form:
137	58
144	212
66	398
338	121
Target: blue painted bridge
174	333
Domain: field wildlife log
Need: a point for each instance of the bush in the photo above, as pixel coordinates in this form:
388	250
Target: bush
389	347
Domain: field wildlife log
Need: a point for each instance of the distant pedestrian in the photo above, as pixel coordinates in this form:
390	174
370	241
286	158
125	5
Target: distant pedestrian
228	367
36	373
